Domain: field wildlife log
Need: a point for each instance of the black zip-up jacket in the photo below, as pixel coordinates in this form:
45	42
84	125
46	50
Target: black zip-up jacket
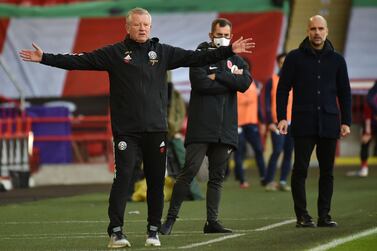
319	81
212	113
137	73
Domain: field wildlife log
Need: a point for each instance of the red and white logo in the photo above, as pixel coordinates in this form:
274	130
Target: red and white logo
162	147
229	64
127	59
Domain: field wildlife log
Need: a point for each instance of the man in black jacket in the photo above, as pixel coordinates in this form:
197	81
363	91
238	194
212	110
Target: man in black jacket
212	125
319	79
138	102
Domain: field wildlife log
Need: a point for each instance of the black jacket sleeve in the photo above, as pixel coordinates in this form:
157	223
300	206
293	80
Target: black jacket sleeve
203	85
344	93
178	57
284	86
98	60
236	82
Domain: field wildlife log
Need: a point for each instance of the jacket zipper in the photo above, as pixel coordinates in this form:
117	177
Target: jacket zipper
143	97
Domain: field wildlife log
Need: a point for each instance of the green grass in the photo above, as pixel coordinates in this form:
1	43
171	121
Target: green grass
362	244
80	222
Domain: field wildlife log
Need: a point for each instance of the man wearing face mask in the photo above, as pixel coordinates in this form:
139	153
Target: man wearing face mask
211	127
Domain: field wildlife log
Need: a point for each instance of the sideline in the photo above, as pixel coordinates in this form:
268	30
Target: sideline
193	245
340	241
223	238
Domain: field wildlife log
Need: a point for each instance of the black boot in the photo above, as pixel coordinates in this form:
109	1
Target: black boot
326	222
215	227
305	221
167	226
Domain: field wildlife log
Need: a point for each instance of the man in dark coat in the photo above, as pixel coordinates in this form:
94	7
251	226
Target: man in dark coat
211	127
319	79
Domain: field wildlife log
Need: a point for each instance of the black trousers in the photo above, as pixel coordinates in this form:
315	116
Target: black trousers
152	147
218	156
364	149
325	150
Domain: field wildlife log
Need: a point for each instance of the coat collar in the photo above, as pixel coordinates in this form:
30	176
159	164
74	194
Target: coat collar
305	46
132	43
204	46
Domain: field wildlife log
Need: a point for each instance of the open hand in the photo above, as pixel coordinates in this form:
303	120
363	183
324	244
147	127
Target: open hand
32	55
243	45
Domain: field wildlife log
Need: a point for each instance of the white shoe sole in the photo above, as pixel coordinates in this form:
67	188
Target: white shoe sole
357	174
150	244
124	245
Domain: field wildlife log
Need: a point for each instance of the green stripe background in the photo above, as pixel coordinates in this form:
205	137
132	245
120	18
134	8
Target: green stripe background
117	8
364	3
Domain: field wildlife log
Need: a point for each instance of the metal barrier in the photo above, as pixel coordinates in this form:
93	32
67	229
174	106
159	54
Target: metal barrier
16	142
15	149
85	129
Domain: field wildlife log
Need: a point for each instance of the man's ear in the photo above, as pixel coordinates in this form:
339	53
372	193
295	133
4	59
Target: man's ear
231	36
210	36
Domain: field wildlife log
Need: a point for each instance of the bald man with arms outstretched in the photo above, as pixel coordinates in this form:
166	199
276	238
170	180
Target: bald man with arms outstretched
321	113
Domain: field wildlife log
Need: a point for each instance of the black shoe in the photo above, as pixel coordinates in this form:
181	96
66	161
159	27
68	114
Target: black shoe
215	227
326	222
305	221
167	226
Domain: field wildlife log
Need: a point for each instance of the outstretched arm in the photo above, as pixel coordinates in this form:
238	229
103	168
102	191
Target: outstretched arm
179	57
99	59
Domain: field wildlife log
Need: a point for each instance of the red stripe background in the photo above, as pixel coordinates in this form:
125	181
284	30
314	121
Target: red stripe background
4	22
93	33
265	29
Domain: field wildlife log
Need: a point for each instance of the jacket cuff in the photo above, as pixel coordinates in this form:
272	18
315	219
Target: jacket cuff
44	58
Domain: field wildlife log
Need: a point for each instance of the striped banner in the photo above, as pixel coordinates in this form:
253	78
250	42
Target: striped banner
74	34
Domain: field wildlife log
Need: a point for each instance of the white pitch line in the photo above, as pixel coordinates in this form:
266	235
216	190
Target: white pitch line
268	227
212	241
275	225
340	241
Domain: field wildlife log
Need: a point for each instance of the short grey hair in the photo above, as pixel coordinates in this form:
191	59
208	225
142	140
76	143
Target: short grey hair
137	10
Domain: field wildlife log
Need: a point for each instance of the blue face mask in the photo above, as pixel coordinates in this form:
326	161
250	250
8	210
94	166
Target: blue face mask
221	41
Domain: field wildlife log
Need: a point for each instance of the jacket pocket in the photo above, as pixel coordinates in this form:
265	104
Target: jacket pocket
331	109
